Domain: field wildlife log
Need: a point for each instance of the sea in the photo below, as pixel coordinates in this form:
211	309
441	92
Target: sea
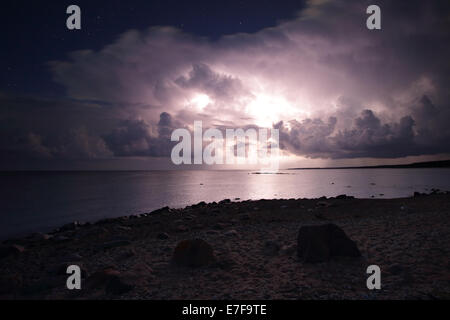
41	201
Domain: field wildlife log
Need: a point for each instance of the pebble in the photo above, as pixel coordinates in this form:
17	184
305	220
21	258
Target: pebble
231	233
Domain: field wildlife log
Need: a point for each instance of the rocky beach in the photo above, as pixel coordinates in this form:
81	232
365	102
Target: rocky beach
237	249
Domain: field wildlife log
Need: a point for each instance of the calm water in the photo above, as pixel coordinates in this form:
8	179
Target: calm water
41	201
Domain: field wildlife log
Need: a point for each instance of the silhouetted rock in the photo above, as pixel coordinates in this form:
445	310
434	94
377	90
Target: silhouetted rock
322	242
344	196
162	210
193	253
199	205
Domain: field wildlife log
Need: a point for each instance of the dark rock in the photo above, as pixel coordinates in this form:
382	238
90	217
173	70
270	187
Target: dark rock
123	228
231	233
193	253
162	210
182	228
115	244
245	217
10	250
71	257
271	248
163	236
127	253
100	278
322	242
288	249
344	196
110	279
320	216
395	269
219	226
117	286
225	201
200	204
226	263
322	204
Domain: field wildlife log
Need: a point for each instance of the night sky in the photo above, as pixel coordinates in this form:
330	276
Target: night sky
34	32
108	96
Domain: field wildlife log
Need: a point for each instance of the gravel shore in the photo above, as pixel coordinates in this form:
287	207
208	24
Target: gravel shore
255	252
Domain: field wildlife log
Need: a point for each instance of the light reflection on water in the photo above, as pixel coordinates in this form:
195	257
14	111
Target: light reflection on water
41	201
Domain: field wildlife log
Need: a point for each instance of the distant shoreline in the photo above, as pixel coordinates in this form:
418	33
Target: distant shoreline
415	165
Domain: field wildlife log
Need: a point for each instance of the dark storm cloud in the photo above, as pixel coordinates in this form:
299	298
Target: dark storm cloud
366	137
138	138
333	88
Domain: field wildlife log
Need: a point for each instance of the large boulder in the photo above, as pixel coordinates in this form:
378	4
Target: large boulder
320	243
193	253
111	280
